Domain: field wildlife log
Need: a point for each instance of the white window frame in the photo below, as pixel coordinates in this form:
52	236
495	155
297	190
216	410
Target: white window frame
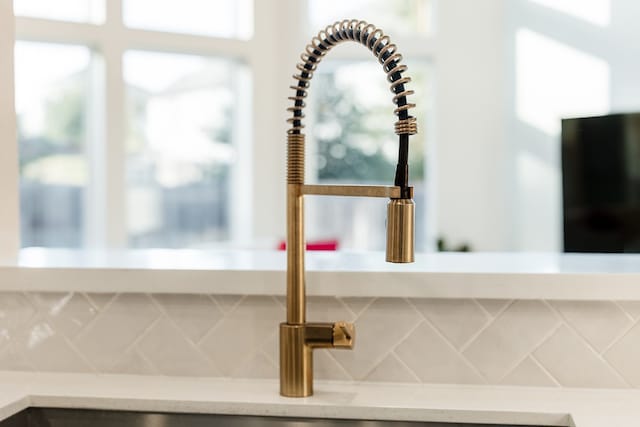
281	30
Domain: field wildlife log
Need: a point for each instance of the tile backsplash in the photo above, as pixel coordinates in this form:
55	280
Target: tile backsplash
460	341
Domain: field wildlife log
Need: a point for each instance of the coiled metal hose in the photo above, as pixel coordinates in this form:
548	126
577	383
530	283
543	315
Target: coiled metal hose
388	56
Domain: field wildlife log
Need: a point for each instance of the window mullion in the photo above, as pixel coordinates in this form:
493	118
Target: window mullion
9	174
273	53
113	157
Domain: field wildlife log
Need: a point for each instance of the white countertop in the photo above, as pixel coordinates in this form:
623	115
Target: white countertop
477	404
436	275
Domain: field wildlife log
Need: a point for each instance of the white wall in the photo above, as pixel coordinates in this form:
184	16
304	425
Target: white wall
469	167
507	72
9	216
563	59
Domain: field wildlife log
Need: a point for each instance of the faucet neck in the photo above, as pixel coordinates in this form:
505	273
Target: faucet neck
388	56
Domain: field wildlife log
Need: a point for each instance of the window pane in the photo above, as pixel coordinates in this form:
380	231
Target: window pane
354	142
218	18
52	86
394	17
63	10
180	146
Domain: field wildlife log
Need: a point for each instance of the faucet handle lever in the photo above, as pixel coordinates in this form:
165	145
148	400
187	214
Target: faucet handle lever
344	335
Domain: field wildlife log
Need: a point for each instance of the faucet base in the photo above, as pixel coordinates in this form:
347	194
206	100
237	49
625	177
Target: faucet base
296	362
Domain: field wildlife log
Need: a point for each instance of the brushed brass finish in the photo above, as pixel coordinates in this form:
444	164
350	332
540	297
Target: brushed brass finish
296	362
354	190
295	158
296	302
344	335
319	335
298	338
400	230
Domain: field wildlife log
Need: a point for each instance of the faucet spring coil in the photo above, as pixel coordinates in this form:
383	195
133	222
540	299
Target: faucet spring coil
295	159
379	44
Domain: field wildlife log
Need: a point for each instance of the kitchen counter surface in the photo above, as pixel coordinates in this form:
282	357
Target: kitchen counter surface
477	404
344	274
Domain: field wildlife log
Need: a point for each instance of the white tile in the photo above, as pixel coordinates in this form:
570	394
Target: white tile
47	350
282	300
624	356
12	360
511	336
378	330
170	353
115	329
435	360
15	312
325	366
457	319
67	312
391	369
327	309
599	322
195	315
132	363
529	373
271	347
357	304
258	366
242	333
573	363
100	300
632	308
227	302
493	306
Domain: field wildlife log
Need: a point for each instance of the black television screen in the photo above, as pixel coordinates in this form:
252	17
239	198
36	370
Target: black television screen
601	183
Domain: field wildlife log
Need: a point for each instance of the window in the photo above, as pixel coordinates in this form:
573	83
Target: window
52	118
123	147
180	148
220	18
161	124
64	10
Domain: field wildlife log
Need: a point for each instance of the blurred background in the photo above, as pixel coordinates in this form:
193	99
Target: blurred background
161	124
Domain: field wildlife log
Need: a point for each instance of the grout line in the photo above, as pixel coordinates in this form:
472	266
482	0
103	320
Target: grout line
617	304
626	330
90	323
354	315
535	360
344	370
77	351
393	347
365	308
484	310
459	353
592	348
219	322
404	337
491	321
194	345
154	369
402	362
542	340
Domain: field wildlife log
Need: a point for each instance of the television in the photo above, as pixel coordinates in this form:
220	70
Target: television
601	183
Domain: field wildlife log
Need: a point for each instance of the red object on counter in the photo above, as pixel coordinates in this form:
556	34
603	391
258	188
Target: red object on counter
318	245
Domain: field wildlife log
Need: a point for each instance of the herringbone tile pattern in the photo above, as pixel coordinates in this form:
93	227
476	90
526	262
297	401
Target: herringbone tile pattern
460	341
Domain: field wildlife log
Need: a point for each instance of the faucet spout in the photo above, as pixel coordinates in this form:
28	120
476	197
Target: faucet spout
298	337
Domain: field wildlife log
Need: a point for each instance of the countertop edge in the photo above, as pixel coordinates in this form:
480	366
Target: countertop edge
479	404
551	286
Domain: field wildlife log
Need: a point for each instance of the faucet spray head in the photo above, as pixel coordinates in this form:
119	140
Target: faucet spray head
400	230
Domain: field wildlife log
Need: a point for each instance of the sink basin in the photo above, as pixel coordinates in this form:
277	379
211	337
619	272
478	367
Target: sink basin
48	417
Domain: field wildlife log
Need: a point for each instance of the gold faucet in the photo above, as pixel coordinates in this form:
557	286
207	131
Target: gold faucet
298	337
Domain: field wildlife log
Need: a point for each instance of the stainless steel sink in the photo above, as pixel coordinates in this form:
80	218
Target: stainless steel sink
48	417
